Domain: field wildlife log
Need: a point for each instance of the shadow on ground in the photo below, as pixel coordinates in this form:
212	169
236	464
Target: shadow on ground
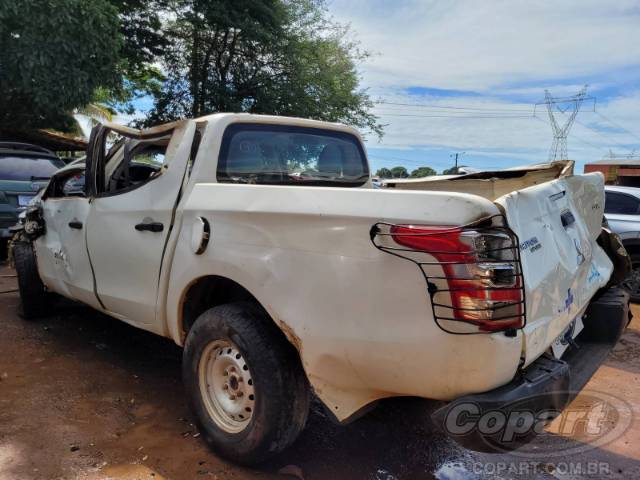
84	395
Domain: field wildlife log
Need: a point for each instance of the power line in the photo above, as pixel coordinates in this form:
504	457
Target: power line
447	112
451	116
609	140
586	142
451	107
599	133
617	125
396	159
603	136
495	112
559	146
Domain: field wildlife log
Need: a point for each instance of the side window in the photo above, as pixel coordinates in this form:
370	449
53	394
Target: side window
137	163
69	184
286	155
621	203
74	186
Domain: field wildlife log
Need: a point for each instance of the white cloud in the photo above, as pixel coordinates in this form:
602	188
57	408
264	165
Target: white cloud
524	139
479	45
504	50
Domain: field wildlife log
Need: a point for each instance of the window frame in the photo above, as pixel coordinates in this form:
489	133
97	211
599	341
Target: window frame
125	146
235	128
54	189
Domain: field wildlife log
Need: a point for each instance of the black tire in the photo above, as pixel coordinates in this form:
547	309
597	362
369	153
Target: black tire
4	247
35	300
632	285
280	385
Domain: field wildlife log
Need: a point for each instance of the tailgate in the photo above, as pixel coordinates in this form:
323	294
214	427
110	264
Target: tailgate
557	223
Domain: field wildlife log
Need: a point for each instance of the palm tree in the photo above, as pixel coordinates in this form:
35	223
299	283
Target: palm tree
93	113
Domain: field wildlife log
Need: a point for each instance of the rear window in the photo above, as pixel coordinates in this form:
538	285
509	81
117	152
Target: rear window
621	204
28	168
284	155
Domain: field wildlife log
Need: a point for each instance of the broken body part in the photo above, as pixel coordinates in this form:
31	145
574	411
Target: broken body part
365	324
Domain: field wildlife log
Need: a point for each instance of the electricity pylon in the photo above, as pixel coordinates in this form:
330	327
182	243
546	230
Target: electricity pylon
559	146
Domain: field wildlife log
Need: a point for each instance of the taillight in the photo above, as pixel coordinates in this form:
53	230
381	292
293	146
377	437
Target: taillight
473	273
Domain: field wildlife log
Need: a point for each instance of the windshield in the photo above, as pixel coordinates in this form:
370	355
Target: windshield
28	168
285	155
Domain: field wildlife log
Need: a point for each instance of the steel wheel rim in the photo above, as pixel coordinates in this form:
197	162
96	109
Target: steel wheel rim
226	386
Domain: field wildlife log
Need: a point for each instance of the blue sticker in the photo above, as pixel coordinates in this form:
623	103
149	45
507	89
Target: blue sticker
532	244
567	302
594	274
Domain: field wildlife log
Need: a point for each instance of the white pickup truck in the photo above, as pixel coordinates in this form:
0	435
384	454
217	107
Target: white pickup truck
259	244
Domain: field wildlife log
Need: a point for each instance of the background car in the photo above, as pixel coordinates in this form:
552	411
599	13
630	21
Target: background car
622	211
24	169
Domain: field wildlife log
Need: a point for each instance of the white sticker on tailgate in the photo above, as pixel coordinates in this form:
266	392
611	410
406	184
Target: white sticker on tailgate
562	342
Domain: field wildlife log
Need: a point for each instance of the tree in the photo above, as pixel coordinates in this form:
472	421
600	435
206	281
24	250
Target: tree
450	171
144	43
423	172
98	111
282	57
399	172
141	29
384	173
53	57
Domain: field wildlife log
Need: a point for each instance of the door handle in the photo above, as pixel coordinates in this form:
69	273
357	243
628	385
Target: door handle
155	227
75	225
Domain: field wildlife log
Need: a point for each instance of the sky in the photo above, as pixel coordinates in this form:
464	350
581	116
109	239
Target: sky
465	75
470	73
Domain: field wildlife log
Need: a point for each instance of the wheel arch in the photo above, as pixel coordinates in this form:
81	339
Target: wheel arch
208	291
211	291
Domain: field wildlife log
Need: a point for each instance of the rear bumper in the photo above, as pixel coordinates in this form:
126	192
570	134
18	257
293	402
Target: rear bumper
540	391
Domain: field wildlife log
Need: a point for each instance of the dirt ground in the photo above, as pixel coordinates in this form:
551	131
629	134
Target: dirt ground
83	396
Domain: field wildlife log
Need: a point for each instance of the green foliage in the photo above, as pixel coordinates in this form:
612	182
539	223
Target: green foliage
384	173
450	171
423	172
144	42
141	29
399	172
282	57
54	55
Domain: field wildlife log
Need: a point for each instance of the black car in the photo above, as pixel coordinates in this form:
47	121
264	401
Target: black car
24	169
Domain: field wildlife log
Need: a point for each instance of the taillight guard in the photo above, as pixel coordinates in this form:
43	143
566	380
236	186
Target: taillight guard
473	272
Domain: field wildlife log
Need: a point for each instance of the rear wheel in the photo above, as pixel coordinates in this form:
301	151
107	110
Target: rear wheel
36	301
244	383
632	282
4	247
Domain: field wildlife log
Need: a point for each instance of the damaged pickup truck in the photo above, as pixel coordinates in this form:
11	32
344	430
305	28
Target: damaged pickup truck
259	245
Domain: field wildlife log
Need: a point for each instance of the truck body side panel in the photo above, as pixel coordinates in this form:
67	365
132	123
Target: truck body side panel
360	318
